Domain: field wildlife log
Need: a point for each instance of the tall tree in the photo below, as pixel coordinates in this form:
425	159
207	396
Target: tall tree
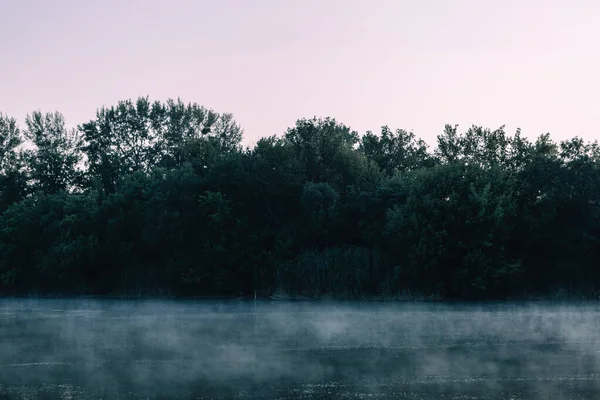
53	160
13	181
397	151
139	136
322	145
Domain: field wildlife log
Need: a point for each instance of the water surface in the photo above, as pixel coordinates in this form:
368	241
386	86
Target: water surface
93	349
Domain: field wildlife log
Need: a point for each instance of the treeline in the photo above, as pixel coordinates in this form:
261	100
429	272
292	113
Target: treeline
152	198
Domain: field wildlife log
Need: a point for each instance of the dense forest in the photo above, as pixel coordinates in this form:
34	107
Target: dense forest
161	199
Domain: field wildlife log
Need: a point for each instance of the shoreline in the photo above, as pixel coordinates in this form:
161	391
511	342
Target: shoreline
301	298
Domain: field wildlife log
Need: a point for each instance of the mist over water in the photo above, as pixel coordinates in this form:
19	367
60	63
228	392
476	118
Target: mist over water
189	349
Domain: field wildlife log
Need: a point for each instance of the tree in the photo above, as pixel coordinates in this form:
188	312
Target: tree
13	181
139	136
321	145
450	229
394	152
480	146
53	161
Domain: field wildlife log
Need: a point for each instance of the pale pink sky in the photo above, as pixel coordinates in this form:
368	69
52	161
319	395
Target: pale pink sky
416	64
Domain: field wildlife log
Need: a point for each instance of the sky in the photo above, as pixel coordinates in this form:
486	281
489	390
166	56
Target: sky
410	64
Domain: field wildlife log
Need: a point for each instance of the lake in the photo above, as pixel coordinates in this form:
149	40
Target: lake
126	349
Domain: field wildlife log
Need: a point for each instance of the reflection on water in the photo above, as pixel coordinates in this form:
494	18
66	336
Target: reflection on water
80	349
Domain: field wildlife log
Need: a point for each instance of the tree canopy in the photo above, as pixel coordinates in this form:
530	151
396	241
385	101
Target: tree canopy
161	198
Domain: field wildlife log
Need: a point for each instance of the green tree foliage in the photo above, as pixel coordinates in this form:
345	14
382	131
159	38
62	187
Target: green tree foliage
13	180
395	152
152	198
48	243
53	161
324	149
139	136
451	227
